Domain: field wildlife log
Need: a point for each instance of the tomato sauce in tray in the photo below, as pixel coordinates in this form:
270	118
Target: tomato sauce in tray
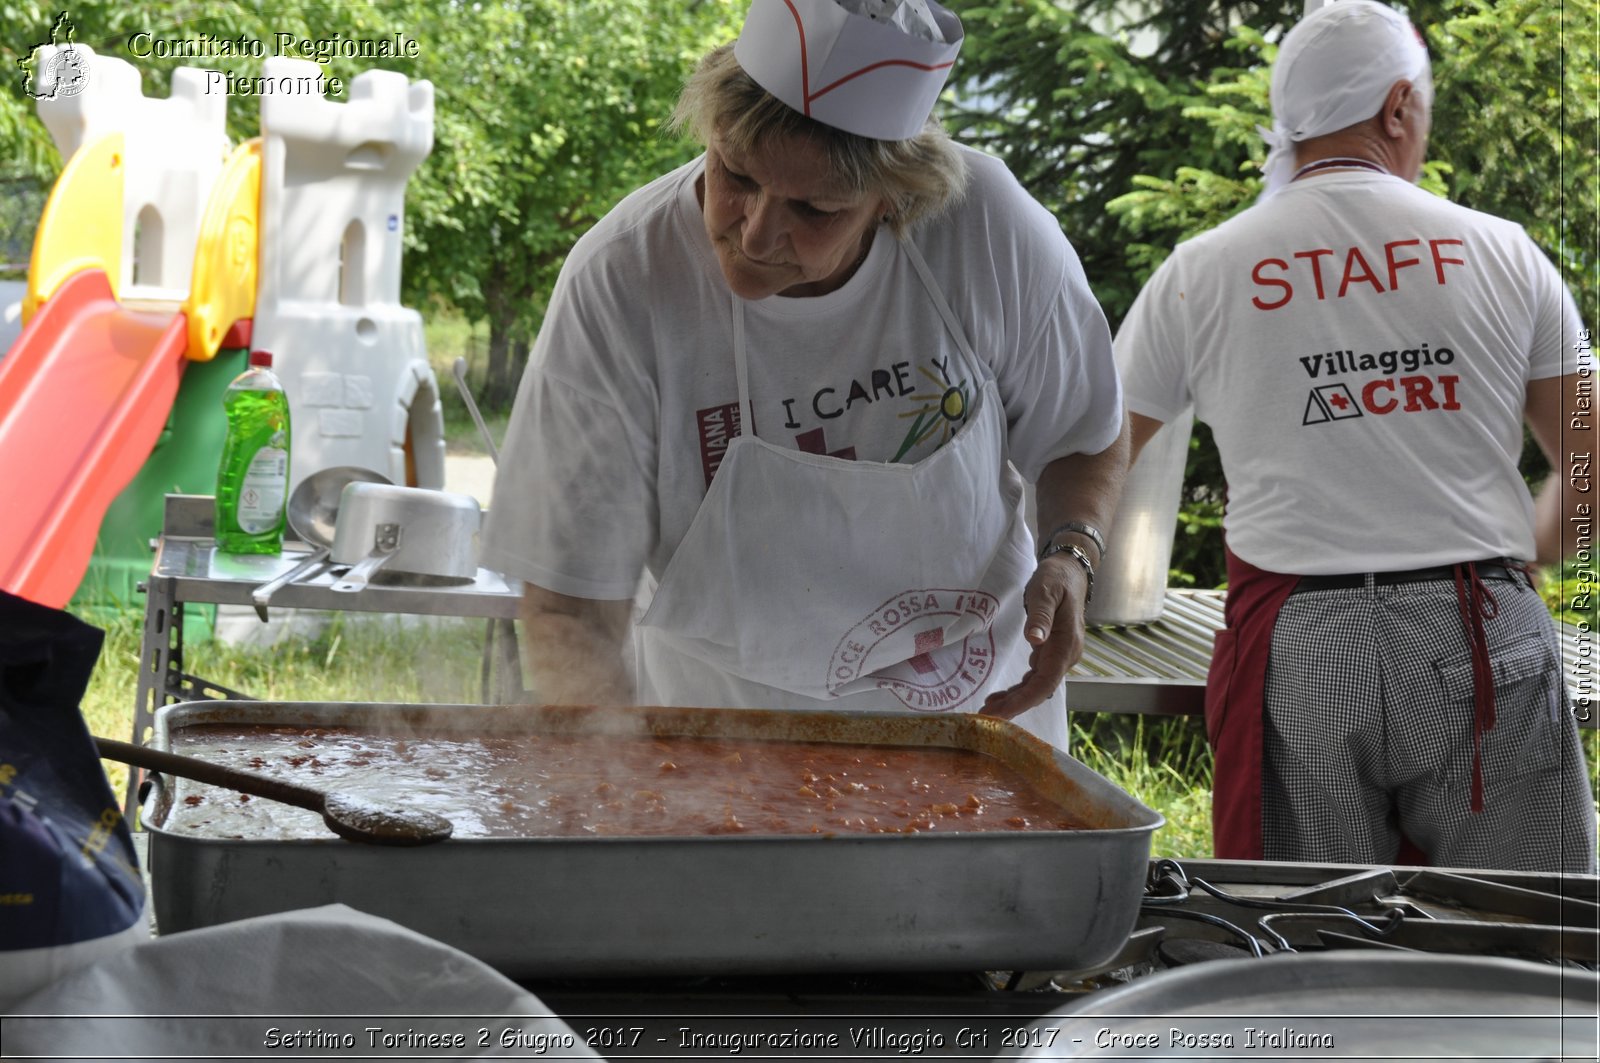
566	785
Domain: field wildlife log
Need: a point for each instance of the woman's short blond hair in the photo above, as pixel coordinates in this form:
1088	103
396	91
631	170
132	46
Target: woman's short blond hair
919	177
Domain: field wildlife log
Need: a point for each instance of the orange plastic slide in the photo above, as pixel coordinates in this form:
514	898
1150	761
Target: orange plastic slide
84	394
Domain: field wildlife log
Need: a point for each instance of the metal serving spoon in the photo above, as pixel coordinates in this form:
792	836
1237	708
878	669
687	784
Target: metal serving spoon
459	371
351	818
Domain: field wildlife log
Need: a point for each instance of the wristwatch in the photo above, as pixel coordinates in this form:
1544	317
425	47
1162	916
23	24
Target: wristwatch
1088	531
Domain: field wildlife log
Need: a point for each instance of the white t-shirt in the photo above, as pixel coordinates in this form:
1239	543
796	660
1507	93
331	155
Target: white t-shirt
630	396
1361	350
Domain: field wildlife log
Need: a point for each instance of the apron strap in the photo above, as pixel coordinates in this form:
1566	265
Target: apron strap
741	368
948	315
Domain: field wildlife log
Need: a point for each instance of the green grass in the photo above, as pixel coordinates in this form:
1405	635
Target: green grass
356	657
1164	762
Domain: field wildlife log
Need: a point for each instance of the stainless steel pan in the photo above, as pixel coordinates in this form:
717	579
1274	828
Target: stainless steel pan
411	530
1377	1006
618	906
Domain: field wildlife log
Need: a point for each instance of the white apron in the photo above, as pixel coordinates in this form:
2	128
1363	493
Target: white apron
812	582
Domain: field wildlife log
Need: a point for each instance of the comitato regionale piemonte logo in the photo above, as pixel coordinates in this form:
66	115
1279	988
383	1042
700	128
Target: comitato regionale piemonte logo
64	73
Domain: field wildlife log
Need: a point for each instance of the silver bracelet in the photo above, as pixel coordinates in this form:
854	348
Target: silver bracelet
1078	555
1089	531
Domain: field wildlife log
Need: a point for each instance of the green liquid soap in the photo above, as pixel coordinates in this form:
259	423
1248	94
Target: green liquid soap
253	476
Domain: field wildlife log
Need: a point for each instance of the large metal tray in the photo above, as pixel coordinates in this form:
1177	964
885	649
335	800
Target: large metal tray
600	907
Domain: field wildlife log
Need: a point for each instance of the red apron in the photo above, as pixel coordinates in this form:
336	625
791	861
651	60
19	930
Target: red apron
1235	704
1236	688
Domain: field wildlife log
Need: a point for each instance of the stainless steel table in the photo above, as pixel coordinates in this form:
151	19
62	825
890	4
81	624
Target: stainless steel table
1160	668
1157	668
188	569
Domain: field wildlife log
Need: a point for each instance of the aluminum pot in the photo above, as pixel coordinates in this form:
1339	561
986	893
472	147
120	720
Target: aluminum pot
1375	1005
411	530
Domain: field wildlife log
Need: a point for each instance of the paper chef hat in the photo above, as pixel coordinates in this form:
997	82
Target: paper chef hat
1332	71
869	67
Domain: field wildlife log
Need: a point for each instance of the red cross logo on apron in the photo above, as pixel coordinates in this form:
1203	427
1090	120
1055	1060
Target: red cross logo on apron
926	642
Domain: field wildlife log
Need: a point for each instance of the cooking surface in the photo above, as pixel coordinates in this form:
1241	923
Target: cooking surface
1154	998
536	786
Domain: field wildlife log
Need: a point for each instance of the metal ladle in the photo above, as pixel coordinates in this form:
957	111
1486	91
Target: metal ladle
349	817
459	371
313	513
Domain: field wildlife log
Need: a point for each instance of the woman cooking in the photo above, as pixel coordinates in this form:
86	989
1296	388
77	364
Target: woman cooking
798	384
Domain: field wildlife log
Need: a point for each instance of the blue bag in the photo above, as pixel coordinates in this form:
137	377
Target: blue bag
68	871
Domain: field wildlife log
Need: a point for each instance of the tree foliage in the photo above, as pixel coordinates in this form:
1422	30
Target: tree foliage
28	153
1133	122
1516	119
547	113
1138	148
107	27
29	160
1085	100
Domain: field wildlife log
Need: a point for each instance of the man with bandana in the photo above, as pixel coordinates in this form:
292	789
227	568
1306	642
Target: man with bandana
1388	687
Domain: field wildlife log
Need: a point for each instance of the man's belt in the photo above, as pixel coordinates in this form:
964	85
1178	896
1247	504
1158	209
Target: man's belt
1347	580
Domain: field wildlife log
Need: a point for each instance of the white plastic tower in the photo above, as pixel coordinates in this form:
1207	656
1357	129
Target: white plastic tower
173	150
351	358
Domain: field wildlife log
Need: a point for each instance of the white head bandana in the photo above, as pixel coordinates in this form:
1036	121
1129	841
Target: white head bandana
869	67
1333	70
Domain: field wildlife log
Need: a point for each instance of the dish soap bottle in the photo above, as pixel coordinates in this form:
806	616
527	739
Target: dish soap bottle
253	476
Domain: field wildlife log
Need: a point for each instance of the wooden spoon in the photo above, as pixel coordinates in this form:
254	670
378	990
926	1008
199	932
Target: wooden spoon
351	818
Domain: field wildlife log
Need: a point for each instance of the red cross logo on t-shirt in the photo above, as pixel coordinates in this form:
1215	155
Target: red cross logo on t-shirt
812	442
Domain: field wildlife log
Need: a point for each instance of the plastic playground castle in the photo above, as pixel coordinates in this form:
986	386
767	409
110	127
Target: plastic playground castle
161	258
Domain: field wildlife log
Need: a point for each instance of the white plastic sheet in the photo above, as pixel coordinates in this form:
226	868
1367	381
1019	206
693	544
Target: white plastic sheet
329	977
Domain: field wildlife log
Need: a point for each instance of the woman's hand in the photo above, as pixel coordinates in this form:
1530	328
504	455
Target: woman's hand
1075	490
1054	600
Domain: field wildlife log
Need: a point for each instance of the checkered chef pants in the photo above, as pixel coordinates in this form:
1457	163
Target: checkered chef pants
1368	732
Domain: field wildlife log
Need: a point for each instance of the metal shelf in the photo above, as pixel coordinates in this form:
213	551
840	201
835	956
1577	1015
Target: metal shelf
188	569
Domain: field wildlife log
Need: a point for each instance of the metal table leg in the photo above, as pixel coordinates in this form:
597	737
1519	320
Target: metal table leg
501	675
163	637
